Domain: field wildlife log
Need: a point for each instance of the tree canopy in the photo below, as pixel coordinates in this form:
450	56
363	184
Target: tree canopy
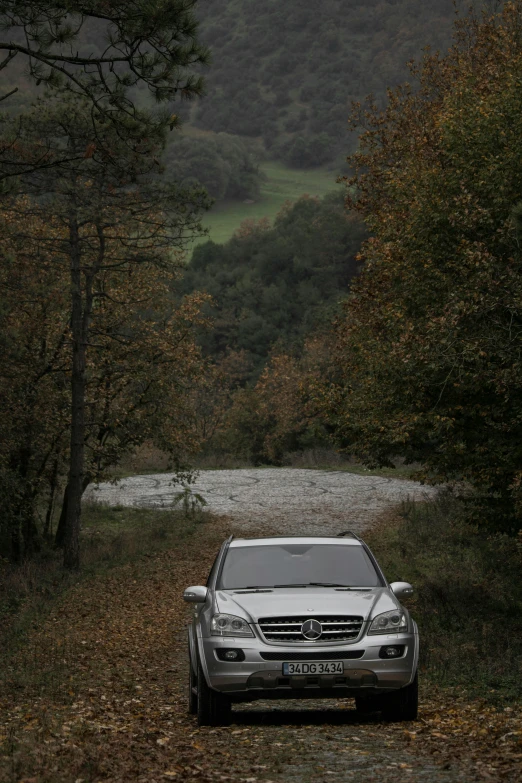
102	53
302	64
226	166
429	348
277	283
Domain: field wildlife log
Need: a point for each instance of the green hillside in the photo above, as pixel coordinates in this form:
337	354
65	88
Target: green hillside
288	71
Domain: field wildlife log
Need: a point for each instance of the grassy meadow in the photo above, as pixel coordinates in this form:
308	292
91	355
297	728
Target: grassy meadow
282	184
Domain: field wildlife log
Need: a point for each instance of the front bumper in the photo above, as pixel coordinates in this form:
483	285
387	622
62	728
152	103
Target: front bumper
258	678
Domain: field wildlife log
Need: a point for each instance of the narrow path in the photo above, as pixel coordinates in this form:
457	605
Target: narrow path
282	498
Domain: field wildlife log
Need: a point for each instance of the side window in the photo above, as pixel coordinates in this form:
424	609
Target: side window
213	570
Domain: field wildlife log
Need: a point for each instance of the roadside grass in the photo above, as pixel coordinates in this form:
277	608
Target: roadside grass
112	537
322	458
468	596
282	184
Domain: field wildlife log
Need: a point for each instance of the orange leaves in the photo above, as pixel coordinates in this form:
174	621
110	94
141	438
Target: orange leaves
252	226
128	717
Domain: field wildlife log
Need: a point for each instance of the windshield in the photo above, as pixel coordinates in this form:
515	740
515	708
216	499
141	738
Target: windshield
298	565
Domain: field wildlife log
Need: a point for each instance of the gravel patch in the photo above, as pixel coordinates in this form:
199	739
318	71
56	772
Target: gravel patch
292	500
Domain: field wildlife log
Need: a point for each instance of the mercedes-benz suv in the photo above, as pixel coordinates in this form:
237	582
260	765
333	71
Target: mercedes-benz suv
300	617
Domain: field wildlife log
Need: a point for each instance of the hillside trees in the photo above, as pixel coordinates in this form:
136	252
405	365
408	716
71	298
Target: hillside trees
226	166
428	350
276	284
263	423
301	67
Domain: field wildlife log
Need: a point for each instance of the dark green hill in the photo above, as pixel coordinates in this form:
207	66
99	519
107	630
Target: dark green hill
287	70
280	283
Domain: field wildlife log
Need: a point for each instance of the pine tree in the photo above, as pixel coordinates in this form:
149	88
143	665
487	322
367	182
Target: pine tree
139	44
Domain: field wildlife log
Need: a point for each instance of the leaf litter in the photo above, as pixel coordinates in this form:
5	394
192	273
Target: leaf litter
98	693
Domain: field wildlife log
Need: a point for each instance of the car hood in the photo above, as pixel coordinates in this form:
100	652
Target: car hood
308	601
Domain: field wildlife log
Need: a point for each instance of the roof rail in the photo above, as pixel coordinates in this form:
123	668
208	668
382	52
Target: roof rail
348	533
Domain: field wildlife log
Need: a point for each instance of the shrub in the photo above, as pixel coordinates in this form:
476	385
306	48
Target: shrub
468	594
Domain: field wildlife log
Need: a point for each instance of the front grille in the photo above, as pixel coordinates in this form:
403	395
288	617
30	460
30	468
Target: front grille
335	628
312	656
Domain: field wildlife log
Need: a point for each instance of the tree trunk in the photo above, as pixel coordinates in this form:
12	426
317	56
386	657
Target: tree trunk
59	539
79	326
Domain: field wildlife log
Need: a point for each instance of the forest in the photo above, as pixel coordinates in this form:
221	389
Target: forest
302	67
100	206
277	284
422	362
374	333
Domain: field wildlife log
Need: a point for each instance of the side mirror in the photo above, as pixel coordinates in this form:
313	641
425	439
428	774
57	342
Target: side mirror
195	595
401	589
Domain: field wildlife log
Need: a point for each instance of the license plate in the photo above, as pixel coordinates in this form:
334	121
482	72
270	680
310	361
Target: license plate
315	667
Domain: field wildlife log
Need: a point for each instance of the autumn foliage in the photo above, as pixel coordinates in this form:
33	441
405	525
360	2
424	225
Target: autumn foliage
142	363
428	350
278	415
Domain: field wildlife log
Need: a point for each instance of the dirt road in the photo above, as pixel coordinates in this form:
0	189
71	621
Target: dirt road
107	702
280	498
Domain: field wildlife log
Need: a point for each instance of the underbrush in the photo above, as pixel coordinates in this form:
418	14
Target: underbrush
111	536
468	595
316	458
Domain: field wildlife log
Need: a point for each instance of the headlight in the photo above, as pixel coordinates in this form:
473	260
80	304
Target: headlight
228	625
389	622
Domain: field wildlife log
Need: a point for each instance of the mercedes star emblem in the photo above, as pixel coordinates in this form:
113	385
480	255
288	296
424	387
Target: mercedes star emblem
311	629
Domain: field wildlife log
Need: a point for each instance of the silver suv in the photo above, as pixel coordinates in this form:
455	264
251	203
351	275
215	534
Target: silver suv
300	617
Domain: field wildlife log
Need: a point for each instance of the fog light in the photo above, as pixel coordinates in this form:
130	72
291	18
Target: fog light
230	654
391	651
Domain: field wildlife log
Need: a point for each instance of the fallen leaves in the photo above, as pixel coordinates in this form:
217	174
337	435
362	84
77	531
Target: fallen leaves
126	720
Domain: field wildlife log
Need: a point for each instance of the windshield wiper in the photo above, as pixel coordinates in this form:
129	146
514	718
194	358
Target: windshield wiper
303	584
328	584
293	585
252	587
315	584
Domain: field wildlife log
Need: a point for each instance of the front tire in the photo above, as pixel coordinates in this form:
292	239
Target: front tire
213	708
403	704
192	690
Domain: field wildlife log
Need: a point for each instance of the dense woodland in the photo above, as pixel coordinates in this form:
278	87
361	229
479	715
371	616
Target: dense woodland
277	284
225	165
288	71
386	326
